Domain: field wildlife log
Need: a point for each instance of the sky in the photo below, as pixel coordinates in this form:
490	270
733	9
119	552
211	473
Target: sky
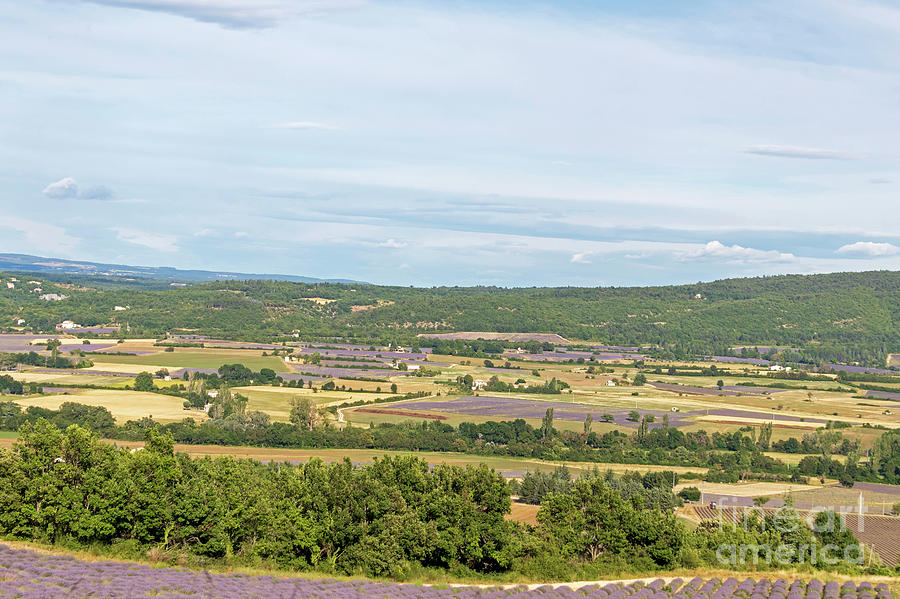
417	142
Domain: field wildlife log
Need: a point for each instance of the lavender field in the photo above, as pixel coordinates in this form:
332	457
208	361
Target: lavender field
325	371
29	575
753	390
21	343
504	408
508	408
573	356
739	360
883	395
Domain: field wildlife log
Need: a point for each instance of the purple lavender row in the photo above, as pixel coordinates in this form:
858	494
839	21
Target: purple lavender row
30	575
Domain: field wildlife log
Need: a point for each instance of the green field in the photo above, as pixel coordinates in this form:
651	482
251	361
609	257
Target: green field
63	379
276	401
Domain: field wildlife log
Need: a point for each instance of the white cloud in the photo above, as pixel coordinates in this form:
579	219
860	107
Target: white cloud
799	152
65	188
236	14
869	248
203	233
717	251
240	234
304	125
42	237
155	241
581	258
393	243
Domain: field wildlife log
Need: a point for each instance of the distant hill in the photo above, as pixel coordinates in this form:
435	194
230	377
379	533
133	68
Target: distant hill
40	265
845	318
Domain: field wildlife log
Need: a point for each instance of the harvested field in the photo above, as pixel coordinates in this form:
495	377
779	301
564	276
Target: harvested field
124	405
523	512
754	489
779	423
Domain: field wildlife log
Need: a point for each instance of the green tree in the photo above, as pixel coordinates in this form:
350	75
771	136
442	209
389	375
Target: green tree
547	424
143	382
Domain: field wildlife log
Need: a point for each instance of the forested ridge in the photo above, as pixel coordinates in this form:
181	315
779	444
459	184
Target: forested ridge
842	317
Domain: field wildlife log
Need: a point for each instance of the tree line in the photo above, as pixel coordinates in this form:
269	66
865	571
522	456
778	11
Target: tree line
730	457
392	518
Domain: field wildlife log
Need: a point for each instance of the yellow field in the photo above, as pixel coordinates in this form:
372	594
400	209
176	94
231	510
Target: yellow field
777	423
755	489
124	405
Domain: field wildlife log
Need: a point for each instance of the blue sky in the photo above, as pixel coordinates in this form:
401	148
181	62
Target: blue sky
428	143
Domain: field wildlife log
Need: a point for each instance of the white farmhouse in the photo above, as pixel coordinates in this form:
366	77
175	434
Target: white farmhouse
68	324
413	366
